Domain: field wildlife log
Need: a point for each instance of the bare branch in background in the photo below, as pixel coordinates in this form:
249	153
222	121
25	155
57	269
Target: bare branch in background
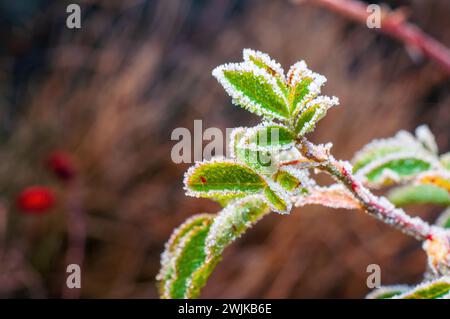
392	24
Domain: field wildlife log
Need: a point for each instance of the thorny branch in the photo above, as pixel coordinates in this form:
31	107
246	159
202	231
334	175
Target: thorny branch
437	239
392	24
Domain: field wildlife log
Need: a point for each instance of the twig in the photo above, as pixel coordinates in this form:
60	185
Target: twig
392	24
378	207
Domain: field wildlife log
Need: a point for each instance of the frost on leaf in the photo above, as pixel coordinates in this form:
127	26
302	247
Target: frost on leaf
334	196
387	292
385	161
268	137
222	178
435	289
233	221
304	85
253	88
263	61
183	255
312	112
277	198
444	219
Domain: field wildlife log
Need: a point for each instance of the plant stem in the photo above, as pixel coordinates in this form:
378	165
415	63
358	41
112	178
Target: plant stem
378	207
392	24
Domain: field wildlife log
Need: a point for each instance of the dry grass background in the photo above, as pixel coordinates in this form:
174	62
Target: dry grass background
111	94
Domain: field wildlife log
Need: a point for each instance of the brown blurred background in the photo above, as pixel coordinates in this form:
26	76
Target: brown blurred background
110	95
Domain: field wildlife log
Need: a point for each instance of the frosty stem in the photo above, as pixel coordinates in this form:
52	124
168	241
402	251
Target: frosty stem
378	207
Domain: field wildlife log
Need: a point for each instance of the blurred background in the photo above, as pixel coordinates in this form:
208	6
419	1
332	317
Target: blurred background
88	114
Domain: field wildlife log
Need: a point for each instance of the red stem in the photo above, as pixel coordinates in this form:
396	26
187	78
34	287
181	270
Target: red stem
392	24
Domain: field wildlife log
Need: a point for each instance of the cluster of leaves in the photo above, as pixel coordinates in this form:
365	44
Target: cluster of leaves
267	172
255	180
420	176
409	161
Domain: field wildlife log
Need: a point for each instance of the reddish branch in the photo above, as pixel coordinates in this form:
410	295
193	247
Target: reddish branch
375	206
392	24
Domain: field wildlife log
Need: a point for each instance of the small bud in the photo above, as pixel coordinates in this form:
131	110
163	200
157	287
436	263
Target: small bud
35	200
61	164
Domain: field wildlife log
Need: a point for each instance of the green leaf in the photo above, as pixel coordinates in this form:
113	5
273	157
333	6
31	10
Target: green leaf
222	178
191	257
254	89
396	159
269	137
278	198
287	181
173	261
396	169
312	113
419	194
429	290
263	61
444	219
304	86
387	292
233	221
298	92
260	161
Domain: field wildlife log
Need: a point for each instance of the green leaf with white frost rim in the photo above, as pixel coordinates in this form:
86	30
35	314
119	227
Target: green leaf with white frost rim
233	221
444	219
222	178
172	264
267	137
312	113
419	194
260	161
277	198
304	86
435	289
402	143
254	89
387	292
383	162
263	61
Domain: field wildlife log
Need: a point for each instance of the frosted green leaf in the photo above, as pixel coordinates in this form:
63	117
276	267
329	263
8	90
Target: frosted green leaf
268	137
444	219
191	257
429	290
394	159
263	61
214	178
170	259
260	161
233	221
402	143
393	169
312	113
387	292
254	89
419	194
287	181
304	86
277	198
